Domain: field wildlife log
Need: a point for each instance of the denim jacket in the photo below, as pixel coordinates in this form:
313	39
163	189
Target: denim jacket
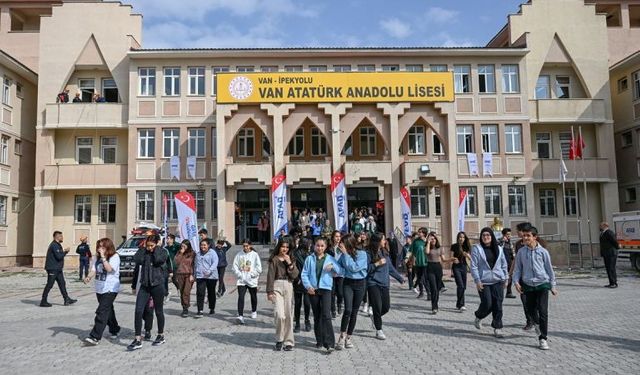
309	275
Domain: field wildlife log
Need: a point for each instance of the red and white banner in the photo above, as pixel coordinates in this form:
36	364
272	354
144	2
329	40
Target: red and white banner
279	207
339	195
405	206
187	218
462	209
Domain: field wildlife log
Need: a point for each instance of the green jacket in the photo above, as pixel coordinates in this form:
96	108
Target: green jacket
417	250
173	250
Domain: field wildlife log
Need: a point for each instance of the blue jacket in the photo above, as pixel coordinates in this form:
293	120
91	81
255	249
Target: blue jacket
533	266
309	274
206	265
480	270
379	276
337	257
355	269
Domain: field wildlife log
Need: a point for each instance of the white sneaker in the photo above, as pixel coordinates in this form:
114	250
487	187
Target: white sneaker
478	323
340	343
364	308
240	319
543	345
166	298
498	333
347	343
537	328
370	311
254	315
380	335
416	291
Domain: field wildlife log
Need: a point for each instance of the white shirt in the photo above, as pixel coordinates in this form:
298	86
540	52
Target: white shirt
108	282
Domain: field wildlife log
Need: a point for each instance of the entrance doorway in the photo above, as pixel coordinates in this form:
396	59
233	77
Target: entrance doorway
251	205
309	199
362	197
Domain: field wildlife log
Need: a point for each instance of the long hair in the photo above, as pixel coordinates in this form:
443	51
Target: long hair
110	248
433	234
494	242
350	243
276	249
187	243
458	250
374	246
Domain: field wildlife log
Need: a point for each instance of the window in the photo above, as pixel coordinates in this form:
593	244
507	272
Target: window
110	90
87	88
366	68
438	149
196	80
83	209
214	140
634	16
462	78
84	147
107	208
419	201
513	136
196	143
17	147
348	147
146	143
266	147
547	202
464	135
318	143
437	195
414	67
492	200
390	68
144	206
416	140
4	150
542	88
517	201
268	69
215	70
487	78
317	68
472	204
571	202
198	196
489	138
438	67
214	204
245	69
6	91
19	93
623	84
3	210
342	68
543	142
293	68
630	195
636	85
510	79
367	141
246	142
108	146
147	82
565	144
172	81
15	204
172	213
563	84
170	142
614	16
627	139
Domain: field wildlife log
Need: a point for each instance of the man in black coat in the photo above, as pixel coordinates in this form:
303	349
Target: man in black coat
609	252
54	265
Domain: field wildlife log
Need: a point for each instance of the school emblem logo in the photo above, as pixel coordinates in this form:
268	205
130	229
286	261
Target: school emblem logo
240	88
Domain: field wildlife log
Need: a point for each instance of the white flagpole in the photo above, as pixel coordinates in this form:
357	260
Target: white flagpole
586	199
575	185
563	178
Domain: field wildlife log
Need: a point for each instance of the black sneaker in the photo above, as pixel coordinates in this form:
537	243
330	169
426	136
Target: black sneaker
45	304
509	295
339	310
527	327
91	341
318	345
333	315
185	313
135	345
212	312
147	336
70	301
158	341
278	346
199	314
307	326
288	348
296	328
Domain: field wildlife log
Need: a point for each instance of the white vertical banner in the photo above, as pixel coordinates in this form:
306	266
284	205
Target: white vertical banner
563	171
462	208
187	219
174	164
279	205
487	164
339	197
472	160
405	207
191	166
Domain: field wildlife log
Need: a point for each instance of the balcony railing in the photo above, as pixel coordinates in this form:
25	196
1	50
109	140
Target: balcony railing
567	110
79	176
86	115
595	169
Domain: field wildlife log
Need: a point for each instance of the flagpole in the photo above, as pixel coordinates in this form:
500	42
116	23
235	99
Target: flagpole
563	179
575	185
586	195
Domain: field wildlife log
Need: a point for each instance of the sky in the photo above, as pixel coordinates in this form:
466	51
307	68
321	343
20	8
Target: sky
321	23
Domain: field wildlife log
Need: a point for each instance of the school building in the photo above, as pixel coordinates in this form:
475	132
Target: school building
101	168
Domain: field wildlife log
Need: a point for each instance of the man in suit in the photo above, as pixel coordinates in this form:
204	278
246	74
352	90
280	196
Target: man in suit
609	252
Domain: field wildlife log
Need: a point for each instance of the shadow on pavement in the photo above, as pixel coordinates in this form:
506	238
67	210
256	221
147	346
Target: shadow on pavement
615	342
256	340
34	302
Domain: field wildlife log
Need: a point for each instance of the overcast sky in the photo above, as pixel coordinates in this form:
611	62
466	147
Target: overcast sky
320	23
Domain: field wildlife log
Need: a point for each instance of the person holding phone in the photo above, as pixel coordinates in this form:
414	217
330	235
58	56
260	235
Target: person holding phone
106	271
281	273
435	258
461	258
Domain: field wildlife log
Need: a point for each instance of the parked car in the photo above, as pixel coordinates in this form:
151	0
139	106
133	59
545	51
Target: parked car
130	246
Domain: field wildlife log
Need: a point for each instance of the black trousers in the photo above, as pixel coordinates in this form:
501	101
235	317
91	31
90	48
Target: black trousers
84	267
337	294
527	315
410	276
421	278
434	275
221	287
322	327
207	286
460	275
300	299
491	298
538	307
380	303
105	316
610	264
55	277
354	291
242	291
142	299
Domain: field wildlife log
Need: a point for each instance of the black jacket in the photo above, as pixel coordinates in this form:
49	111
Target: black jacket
608	243
55	257
83	250
153	270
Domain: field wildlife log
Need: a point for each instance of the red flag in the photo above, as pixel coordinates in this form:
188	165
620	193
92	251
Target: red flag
572	149
580	144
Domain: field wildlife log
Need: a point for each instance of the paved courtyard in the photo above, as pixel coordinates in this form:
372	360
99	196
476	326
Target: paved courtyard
593	330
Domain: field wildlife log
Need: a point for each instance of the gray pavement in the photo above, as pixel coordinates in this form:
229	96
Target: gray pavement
593	330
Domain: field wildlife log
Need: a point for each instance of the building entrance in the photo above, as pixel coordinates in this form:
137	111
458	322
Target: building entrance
251	205
309	199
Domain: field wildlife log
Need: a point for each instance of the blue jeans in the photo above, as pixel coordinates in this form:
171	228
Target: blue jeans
84	267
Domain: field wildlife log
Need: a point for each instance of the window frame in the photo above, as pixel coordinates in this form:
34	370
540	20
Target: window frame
149	143
513	139
540	85
626	139
635	76
84	203
196	80
200	203
630	195
487	77
3	209
414	67
489	134
4	149
465	135
342	68
104	147
149	205
561	86
546	201
84	146
366	67
319	142
172	213
107	204
370	134
419	201
438	68
390	67
513	204
418	142
462	76
493	200
510	79
214	71
318	68
623	84
173	80
147	81
471	209
246	137
197	142
6	91
174	139
572	202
